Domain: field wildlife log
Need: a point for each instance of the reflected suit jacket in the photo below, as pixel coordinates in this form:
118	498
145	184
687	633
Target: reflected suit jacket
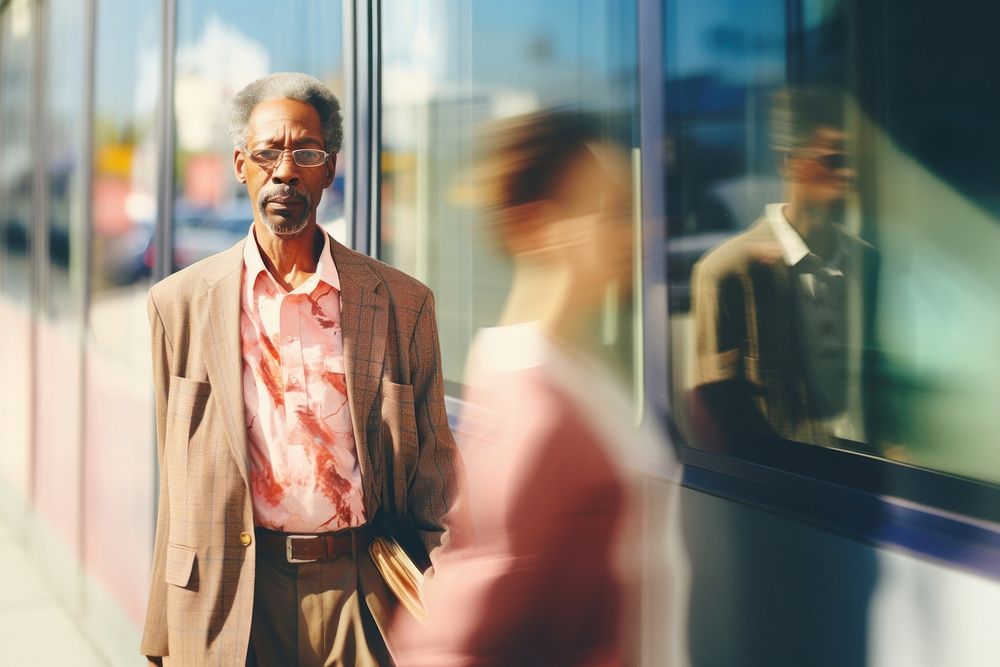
745	303
202	582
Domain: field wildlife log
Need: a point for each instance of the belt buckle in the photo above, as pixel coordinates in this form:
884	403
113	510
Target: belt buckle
288	548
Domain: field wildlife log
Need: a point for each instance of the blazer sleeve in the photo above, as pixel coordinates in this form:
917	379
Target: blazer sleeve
154	638
433	489
718	308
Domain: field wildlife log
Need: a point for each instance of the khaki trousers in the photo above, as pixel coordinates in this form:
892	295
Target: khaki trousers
318	615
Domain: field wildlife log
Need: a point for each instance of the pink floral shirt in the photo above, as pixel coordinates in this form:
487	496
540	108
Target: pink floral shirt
304	474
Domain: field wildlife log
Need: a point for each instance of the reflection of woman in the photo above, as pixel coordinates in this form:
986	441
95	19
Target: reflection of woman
544	581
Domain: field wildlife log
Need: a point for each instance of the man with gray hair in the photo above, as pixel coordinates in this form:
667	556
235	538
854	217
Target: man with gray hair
300	415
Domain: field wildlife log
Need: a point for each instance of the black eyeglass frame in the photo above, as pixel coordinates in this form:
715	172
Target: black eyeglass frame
832	161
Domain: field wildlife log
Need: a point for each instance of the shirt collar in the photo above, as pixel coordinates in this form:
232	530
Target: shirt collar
793	248
326	269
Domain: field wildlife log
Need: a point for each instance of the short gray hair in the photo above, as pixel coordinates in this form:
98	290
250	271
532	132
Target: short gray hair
289	86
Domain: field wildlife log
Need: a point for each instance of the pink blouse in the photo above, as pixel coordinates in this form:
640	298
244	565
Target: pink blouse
304	474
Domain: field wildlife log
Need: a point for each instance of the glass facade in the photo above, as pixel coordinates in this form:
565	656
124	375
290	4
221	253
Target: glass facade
18	34
58	359
18	63
76	402
930	206
827	129
64	136
127	94
828	182
450	71
220	48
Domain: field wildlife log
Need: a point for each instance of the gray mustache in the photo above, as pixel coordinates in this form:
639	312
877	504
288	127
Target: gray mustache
283	192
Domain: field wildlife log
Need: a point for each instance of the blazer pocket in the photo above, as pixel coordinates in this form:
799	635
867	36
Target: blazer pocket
400	394
185	408
186	398
180	565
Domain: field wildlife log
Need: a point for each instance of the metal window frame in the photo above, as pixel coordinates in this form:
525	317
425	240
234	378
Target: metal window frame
656	318
86	241
37	234
166	145
163	233
363	46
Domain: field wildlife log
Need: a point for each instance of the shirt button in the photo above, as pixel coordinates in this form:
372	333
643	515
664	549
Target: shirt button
289	339
245	538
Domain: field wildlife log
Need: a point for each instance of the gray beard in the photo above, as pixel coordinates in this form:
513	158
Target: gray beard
285	227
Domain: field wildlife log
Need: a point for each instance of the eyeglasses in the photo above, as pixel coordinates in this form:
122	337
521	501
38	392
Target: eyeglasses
304	157
830	161
833	161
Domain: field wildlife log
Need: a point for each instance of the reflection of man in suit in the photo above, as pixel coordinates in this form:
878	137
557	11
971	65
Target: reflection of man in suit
775	306
299	404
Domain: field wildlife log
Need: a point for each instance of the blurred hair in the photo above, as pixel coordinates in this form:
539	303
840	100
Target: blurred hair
526	158
796	113
527	155
291	86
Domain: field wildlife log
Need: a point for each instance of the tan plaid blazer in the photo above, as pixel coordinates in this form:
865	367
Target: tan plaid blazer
201	591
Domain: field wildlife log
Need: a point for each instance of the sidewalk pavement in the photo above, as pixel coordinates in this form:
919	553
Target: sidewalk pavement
36	629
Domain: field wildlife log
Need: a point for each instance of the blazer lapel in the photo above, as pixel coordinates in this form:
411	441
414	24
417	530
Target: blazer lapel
223	354
364	324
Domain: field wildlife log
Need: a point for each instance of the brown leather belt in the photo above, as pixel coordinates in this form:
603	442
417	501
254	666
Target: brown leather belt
310	548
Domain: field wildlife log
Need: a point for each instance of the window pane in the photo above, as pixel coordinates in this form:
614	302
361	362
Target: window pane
16	151
17	65
832	214
58	366
450	70
118	434
125	153
722	65
222	47
65	162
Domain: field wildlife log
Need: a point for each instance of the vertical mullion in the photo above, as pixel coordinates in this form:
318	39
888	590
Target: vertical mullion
359	126
346	160
83	258
375	130
40	224
36	232
362	201
164	232
656	365
84	253
163	264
